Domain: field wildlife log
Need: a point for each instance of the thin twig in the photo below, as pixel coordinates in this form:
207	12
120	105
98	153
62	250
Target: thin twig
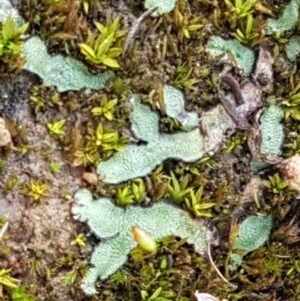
134	29
217	270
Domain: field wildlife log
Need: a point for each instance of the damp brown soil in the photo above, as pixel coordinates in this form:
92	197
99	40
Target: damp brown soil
37	248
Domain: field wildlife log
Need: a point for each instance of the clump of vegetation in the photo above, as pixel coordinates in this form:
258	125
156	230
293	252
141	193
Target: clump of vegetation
105	48
292	102
178	190
106	220
172	273
252	233
131	162
11	42
183	77
235	141
130	193
65	73
185	26
106	108
56	128
13	287
20	294
240	18
276	184
35	189
101	143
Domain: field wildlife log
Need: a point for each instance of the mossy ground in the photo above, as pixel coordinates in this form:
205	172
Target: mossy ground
37	247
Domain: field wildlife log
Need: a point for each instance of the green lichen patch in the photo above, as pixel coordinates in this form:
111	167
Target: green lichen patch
113	223
7	9
253	232
139	160
286	21
63	72
174	104
163	6
243	56
293	48
272	130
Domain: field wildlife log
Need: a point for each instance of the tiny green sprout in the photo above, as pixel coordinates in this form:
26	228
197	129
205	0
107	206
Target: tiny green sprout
101	144
38	102
67	196
275	184
86	5
138	190
186	26
55	97
48	272
245	33
294	269
182	78
124	196
106	109
35	190
54	167
119	278
66	259
19	294
177	191
104	49
292	102
70	277
22	148
86	156
238	10
197	204
7	281
10	39
56	128
158	295
104	136
235	141
11	182
3	221
79	240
